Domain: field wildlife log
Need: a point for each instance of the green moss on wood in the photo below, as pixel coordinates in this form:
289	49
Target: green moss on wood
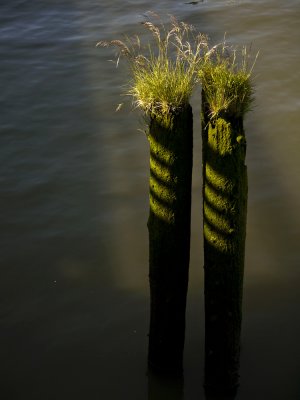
171	142
224	214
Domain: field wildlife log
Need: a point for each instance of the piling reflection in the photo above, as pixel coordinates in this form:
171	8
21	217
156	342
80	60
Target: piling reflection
220	396
165	388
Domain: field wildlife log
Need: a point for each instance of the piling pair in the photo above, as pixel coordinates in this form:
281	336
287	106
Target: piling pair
161	86
224	227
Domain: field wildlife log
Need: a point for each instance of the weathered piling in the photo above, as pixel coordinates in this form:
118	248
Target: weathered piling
224	227
171	143
227	95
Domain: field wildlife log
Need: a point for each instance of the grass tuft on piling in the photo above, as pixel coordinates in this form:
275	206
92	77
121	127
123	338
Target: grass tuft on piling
163	73
226	80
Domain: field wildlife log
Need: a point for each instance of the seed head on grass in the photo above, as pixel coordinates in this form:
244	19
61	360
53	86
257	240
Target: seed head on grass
163	74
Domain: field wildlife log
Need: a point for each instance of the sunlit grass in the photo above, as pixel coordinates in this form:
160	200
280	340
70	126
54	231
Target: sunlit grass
163	73
226	80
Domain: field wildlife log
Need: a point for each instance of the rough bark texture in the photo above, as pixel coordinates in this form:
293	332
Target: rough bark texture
224	219
171	143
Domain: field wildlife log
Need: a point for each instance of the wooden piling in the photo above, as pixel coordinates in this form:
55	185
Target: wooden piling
171	145
224	228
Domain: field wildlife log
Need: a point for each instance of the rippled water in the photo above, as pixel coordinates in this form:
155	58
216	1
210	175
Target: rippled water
74	203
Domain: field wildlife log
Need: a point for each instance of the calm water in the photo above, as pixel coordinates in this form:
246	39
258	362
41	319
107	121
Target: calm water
74	301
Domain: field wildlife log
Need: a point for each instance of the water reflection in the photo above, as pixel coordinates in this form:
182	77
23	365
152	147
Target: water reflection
58	125
220	396
165	388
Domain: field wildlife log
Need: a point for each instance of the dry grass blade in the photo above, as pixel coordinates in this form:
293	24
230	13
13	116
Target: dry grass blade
122	46
103	43
152	28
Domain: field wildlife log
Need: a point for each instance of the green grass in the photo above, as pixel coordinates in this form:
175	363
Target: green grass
164	73
162	86
226	81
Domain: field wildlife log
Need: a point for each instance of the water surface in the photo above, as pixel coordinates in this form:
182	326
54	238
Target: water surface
74	300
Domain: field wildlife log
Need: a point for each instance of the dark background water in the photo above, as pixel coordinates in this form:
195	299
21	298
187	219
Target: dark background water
74	300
